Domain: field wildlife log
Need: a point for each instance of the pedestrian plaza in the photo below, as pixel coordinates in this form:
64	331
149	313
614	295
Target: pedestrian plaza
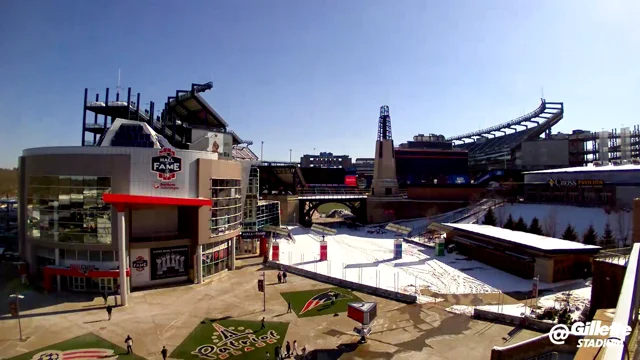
221	319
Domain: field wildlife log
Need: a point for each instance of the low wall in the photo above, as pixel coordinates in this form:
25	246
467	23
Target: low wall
530	323
533	348
367	289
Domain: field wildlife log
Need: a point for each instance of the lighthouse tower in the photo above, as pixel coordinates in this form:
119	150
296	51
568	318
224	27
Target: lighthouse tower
384	183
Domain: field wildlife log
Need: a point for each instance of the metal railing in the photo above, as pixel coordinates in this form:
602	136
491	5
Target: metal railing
332	191
616	256
627	309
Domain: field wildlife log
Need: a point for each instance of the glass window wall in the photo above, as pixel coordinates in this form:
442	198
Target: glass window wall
69	209
226	207
215	258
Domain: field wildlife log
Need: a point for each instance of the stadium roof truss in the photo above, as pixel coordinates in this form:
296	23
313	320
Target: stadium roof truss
487	146
545	116
192	109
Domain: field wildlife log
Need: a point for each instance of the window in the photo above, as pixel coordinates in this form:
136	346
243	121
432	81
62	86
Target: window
107	256
69	209
94	255
226	209
215	257
83	255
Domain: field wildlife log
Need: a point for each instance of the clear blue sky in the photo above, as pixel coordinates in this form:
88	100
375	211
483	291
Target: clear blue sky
312	74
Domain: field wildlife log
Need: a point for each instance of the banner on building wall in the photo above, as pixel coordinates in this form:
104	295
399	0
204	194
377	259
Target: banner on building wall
252	234
139	267
170	262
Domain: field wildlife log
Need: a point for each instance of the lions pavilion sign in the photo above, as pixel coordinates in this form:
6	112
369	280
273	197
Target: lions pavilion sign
231	341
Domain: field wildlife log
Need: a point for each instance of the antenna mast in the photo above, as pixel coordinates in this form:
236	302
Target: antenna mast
118	87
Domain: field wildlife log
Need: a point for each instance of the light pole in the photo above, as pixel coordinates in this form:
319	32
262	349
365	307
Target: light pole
17	296
290	150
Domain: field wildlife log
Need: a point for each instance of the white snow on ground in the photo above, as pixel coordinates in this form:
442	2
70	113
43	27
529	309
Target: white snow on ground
579	217
358	256
578	299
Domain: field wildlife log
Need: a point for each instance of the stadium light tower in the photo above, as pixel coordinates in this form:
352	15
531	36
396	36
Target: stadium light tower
384	182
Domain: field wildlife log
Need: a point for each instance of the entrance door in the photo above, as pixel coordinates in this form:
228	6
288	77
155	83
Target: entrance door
106	285
78	284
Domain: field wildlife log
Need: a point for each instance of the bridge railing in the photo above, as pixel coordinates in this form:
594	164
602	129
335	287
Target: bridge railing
332	191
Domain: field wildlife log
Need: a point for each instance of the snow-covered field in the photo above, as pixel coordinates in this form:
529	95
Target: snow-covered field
358	256
579	217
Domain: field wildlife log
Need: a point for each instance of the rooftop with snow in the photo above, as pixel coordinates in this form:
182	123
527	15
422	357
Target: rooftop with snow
532	241
590	168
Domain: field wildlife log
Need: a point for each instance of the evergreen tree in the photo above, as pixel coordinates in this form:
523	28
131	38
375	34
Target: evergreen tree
490	218
509	224
607	235
521	225
535	227
570	233
590	236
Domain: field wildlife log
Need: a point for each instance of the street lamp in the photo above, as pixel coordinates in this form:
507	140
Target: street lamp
290	150
17	298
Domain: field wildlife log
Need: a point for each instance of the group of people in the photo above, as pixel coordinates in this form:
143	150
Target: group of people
288	351
129	342
282	277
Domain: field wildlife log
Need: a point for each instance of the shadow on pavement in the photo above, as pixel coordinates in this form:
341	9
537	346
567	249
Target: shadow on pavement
358	349
24	316
34	300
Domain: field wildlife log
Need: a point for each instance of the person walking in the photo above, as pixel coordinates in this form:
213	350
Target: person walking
262	326
279	278
284	276
288	348
295	347
105	297
129	342
288	307
109	310
164	353
267	356
276	353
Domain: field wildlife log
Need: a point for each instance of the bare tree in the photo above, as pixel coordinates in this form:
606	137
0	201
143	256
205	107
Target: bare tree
623	226
550	223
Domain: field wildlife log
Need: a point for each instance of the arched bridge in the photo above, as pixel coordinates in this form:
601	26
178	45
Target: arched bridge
310	199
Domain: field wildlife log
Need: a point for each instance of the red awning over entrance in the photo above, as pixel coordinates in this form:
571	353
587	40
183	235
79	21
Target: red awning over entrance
123	200
50	271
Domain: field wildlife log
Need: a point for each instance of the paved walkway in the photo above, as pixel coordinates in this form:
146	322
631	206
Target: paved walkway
166	316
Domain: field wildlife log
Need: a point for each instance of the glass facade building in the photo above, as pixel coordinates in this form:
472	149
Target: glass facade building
226	208
258	213
68	209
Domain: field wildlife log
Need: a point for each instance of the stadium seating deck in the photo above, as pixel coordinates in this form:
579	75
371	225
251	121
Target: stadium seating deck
486	144
244	153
